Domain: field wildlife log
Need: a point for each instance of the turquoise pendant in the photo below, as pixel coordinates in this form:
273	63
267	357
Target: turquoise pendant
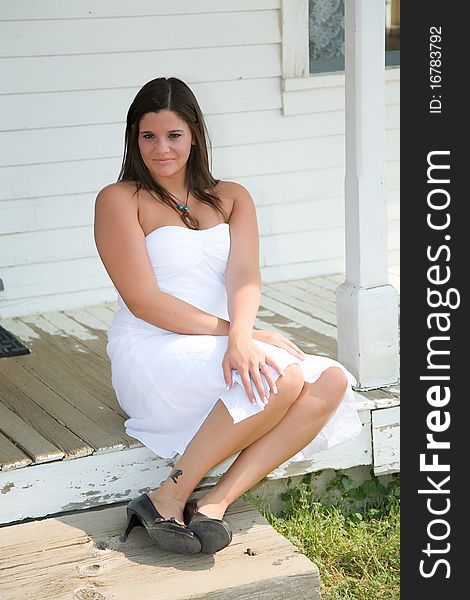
181	207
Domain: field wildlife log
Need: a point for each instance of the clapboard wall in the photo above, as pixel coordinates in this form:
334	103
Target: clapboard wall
69	72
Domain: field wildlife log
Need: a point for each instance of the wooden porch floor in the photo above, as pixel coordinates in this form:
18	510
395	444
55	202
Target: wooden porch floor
57	403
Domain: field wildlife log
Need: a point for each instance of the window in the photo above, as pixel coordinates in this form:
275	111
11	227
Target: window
326	34
392	32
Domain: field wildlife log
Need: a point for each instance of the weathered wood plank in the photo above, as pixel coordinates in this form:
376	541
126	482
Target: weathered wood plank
62	378
325	283
81	555
56	346
337	277
91	481
69	327
46	329
61	410
85	338
303	300
92	369
11	456
50	366
296	315
307	344
68	444
306	338
366	402
328	299
98	327
394	390
297	587
26	437
88	373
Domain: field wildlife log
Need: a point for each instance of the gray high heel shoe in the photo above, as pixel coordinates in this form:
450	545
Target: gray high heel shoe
168	534
214	534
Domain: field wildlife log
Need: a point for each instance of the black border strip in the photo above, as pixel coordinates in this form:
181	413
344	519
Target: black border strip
434	257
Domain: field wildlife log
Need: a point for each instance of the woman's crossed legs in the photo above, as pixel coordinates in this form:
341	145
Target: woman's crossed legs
293	417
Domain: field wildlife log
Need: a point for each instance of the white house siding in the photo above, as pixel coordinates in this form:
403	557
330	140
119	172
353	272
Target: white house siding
69	72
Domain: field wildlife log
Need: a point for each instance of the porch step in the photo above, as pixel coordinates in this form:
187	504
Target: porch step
79	557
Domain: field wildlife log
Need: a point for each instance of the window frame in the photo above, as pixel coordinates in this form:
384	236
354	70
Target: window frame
297	80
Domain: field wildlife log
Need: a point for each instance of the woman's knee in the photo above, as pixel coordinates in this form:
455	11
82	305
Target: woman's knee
290	385
326	393
336	380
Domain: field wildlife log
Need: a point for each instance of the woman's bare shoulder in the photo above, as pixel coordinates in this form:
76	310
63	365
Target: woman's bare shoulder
230	189
119	198
119	189
232	193
116	208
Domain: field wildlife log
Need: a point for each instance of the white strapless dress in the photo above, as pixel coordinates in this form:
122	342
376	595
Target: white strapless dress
167	383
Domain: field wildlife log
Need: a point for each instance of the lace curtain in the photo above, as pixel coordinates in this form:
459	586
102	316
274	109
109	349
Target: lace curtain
326	34
326	28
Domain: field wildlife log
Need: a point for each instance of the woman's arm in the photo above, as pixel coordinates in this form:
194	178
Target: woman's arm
243	284
174	314
242	276
121	245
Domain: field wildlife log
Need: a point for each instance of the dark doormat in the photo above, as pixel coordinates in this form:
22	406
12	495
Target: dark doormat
10	345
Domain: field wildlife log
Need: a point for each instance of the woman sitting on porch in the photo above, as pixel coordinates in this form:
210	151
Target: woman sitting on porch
194	376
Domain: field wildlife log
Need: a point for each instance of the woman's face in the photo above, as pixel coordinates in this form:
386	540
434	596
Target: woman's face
165	143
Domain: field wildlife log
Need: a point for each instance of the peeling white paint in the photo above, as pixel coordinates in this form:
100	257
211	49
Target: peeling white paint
20	330
103	312
386	440
86	318
265	313
362	402
69	326
43	324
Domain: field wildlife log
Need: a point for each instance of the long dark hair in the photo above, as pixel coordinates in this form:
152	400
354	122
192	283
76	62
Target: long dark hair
172	94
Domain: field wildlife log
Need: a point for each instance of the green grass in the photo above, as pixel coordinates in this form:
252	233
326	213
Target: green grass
352	534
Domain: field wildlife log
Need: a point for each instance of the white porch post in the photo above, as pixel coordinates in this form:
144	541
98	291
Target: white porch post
367	305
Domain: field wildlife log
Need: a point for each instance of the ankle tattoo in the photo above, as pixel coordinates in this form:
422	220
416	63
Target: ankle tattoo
175	474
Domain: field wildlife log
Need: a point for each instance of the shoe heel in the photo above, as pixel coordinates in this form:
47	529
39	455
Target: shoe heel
133	520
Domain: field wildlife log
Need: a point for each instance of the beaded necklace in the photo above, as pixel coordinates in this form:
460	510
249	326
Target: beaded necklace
188	219
184	207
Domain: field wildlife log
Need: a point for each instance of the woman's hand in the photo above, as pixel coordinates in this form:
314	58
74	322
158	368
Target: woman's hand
276	339
248	359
